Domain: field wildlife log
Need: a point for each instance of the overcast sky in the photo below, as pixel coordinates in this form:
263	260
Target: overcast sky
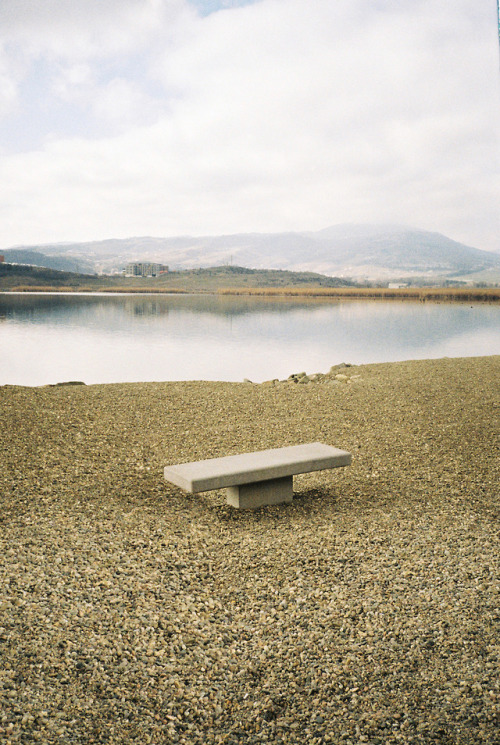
124	118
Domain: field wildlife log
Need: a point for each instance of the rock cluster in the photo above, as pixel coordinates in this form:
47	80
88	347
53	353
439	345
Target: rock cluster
366	611
342	373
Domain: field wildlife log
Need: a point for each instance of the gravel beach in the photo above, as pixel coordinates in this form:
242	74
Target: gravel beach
366	611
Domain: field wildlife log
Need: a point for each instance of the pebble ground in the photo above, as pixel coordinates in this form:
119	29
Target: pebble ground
364	612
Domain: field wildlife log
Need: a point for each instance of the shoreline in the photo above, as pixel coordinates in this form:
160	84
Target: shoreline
364	611
424	294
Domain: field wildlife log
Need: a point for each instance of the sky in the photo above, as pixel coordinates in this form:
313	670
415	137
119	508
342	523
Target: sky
123	118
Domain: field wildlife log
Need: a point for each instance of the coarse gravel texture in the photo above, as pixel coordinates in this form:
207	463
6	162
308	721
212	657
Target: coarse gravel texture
364	612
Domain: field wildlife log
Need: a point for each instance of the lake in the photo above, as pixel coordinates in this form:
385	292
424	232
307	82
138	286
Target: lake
102	338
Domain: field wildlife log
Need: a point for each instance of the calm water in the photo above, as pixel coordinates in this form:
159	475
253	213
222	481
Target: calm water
118	338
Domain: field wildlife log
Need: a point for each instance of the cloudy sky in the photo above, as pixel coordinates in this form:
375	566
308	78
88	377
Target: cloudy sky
122	118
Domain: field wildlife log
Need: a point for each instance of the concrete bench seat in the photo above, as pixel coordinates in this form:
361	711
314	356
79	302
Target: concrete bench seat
259	478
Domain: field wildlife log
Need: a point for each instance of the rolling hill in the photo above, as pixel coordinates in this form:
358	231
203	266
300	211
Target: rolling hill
358	252
59	262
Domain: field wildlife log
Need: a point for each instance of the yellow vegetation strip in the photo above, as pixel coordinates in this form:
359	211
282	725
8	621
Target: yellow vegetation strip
476	294
412	293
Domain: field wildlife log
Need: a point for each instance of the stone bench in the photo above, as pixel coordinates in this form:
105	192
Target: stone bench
256	479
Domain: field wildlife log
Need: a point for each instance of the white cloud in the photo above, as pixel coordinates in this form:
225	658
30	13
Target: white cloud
274	115
73	29
8	88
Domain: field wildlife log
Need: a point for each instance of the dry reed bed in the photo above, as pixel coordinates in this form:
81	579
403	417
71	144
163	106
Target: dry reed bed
490	294
64	288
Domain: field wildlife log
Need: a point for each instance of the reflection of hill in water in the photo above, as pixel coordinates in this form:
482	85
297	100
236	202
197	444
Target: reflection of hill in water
152	305
102	339
358	325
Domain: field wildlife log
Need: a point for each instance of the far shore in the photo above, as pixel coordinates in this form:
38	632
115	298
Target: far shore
422	294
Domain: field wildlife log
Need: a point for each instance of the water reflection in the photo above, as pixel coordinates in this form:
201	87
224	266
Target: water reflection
148	305
109	338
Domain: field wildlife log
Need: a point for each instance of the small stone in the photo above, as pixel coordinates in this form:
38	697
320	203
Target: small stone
340	366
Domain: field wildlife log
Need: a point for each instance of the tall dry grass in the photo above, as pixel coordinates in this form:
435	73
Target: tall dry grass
143	290
50	288
47	288
422	294
490	294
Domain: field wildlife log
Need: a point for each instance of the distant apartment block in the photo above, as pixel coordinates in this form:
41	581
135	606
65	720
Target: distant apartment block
145	269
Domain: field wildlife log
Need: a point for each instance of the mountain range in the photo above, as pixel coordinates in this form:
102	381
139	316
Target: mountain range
358	252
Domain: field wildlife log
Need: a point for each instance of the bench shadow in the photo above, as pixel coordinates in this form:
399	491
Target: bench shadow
304	501
314	495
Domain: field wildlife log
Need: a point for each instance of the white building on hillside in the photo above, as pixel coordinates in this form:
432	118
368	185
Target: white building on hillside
145	269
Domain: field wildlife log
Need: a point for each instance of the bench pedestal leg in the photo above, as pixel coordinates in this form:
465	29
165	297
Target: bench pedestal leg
259	493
